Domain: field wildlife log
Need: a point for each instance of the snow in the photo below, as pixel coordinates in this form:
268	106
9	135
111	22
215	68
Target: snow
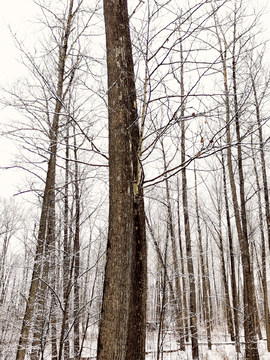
221	349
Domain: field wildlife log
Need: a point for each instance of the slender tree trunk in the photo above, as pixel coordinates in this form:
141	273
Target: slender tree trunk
223	55
256	312
249	297
241	224
191	275
228	307
177	295
64	328
67	276
263	254
263	165
206	295
50	183
208	282
76	254
38	336
161	261
267	208
163	304
53	272
233	276
182	263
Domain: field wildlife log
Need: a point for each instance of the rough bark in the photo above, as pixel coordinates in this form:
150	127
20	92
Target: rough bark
126	214
138	291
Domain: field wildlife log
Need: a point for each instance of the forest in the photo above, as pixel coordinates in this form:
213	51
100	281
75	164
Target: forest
140	228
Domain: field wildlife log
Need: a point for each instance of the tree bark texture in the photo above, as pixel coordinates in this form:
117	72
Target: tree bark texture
123	315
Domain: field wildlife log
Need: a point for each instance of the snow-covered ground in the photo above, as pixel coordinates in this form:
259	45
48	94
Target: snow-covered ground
221	349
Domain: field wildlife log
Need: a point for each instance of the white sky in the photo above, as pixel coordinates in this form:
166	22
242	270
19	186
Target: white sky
19	14
16	14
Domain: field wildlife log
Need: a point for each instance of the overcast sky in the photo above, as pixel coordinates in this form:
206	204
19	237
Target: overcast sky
18	14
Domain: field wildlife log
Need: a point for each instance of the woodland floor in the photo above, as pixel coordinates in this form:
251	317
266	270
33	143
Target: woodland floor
222	349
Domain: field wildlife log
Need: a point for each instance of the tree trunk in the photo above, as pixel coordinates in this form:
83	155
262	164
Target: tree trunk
233	272
114	323
206	295
191	275
249	300
263	254
177	295
67	275
50	184
263	165
76	254
52	250
138	291
183	271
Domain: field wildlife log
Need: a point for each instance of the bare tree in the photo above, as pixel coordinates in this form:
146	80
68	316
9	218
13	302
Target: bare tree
48	197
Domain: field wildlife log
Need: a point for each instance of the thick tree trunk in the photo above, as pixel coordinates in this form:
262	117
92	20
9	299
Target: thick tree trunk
138	291
125	272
